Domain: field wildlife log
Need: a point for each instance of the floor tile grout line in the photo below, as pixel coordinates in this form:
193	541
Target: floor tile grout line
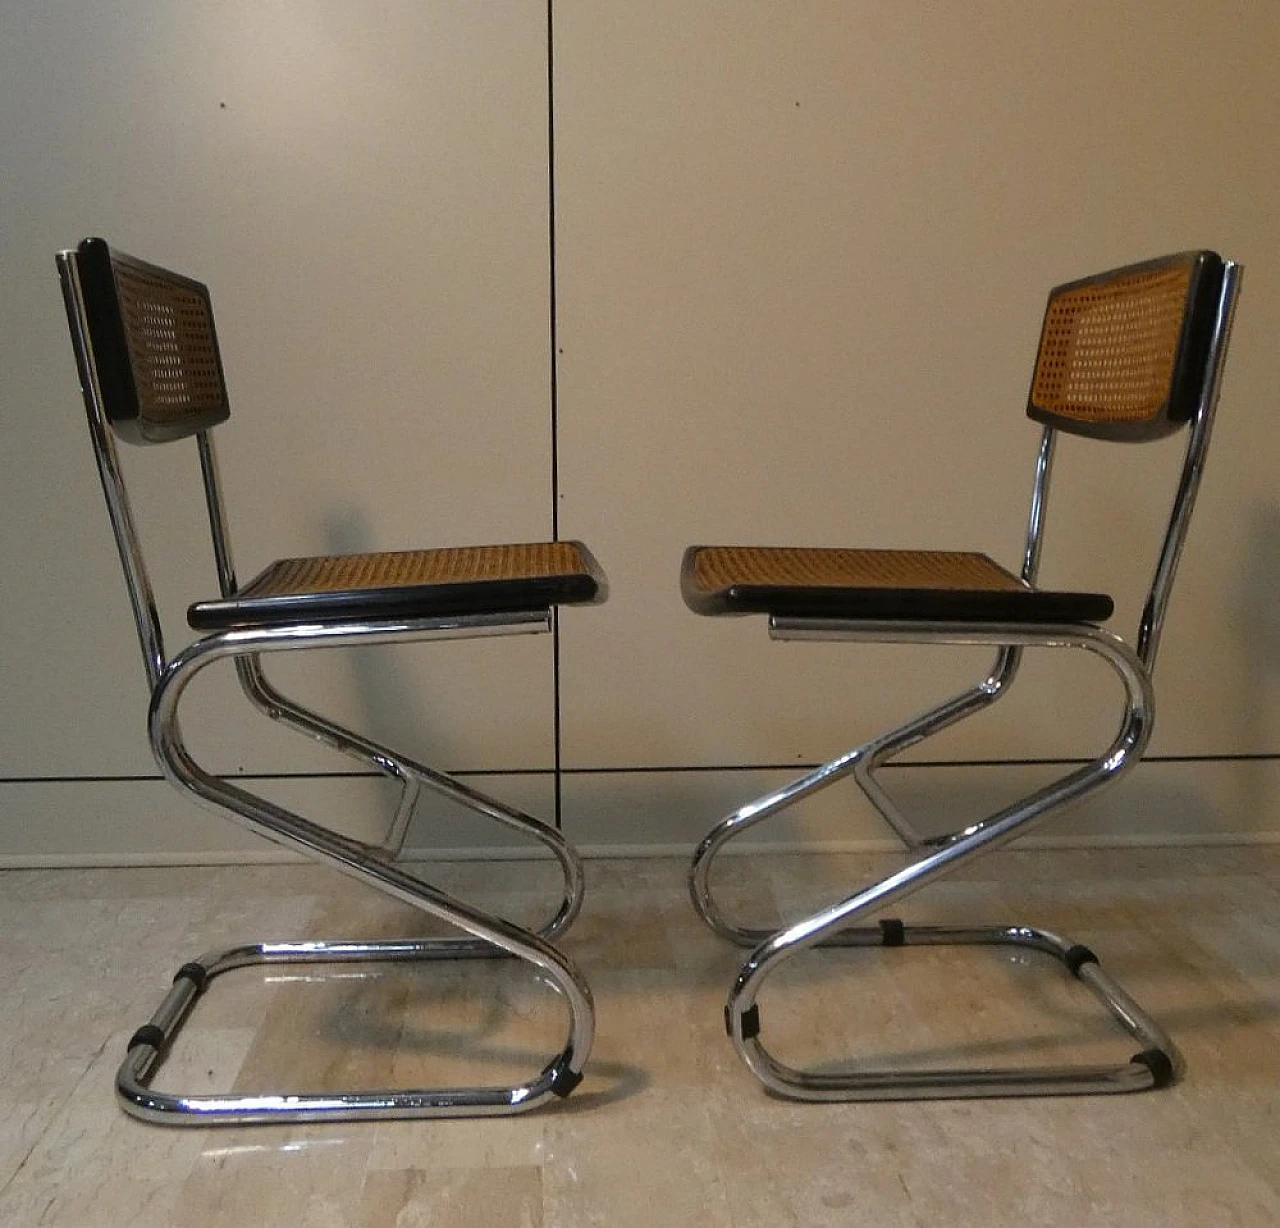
55	1112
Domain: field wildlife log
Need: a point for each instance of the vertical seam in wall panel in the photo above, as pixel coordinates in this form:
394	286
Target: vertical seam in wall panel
555	402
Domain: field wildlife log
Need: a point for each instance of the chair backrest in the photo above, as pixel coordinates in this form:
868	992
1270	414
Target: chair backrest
154	346
1125	354
150	372
1135	354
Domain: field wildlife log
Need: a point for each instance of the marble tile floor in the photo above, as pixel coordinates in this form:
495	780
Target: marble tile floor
668	1128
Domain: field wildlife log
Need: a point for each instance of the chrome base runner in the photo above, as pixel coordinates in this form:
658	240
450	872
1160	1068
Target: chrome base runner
147	1046
1156	1064
488	936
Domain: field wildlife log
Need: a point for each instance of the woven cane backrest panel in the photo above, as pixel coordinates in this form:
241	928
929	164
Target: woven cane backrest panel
1118	352
169	330
154	346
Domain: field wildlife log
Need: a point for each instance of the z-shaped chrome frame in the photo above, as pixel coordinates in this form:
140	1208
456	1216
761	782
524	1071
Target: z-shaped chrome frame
1157	1063
489	936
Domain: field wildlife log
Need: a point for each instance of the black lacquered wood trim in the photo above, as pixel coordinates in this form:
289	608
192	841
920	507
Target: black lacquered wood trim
1012	601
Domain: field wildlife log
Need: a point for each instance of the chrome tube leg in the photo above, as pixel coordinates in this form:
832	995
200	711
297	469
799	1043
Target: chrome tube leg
414	777
488	935
744	818
944	716
1156	1064
858	763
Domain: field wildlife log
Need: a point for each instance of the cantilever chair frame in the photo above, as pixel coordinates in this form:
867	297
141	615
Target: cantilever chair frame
372	863
1157	1062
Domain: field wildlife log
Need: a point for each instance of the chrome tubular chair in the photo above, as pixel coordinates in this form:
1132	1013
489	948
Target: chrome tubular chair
150	371
1133	354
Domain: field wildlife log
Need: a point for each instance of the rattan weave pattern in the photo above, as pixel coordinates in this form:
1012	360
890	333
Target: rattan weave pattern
722	567
172	349
411	568
1108	348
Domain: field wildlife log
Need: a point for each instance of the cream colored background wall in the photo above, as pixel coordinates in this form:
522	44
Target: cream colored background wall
800	256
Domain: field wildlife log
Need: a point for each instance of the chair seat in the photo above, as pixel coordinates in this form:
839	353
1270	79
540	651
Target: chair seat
914	585
409	584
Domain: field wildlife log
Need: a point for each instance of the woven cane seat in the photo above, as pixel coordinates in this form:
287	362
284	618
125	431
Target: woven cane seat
409	584
924	585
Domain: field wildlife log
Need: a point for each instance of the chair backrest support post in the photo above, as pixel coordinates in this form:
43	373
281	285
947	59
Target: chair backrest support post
1039	505
248	668
141	595
217	515
1153	613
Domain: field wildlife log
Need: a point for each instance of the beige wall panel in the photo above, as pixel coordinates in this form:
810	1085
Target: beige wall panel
364	188
1160	801
803	251
802	256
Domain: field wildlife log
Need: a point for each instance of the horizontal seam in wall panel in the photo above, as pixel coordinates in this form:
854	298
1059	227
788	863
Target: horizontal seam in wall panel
90	780
797	766
648	768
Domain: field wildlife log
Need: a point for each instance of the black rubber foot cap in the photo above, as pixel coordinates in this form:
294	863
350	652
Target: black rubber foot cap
1159	1063
193	972
1077	957
892	932
750	1023
148	1034
565	1082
